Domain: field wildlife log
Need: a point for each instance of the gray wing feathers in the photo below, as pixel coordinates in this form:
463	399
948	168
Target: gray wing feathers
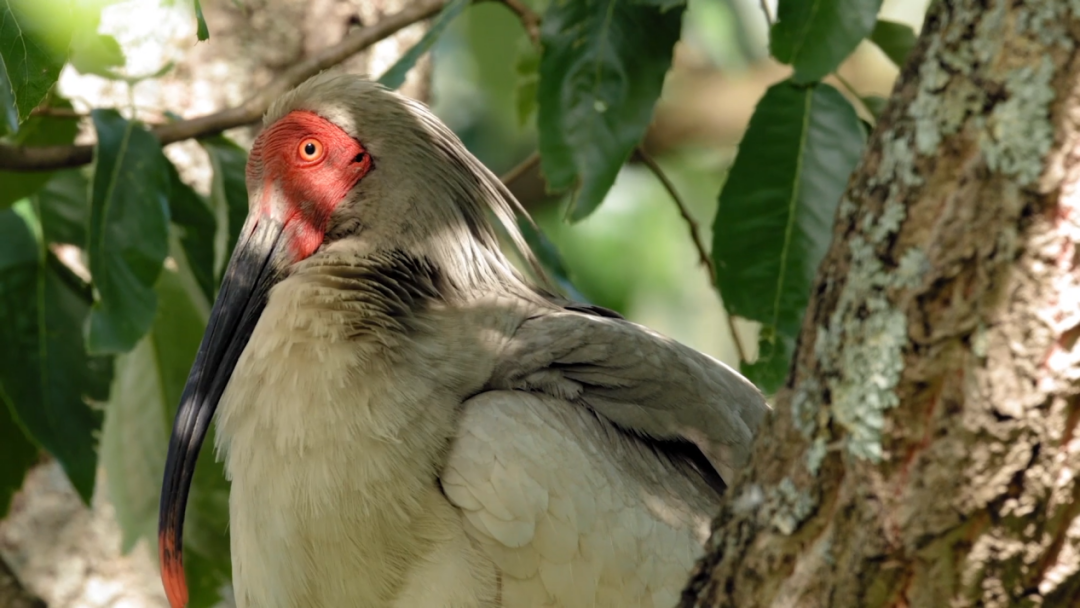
639	380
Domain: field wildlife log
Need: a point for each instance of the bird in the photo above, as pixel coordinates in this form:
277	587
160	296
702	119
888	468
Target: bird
407	418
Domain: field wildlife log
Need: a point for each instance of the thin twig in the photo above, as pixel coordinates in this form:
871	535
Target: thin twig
529	19
765	10
695	235
46	158
58	113
520	169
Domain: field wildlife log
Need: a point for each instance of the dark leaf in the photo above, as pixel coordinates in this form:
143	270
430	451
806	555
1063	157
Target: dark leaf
37	131
395	76
128	238
198	227
34	39
770	370
601	72
9	114
776	211
550	258
663	5
149	381
64	204
895	39
875	104
815	36
228	194
45	372
17	453
203	32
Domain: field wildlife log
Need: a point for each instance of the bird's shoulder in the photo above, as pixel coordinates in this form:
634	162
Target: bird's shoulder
646	384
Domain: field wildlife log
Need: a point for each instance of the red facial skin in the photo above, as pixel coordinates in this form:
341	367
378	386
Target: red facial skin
300	190
312	186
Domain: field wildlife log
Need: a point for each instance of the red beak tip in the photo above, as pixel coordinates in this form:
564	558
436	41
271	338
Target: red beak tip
172	573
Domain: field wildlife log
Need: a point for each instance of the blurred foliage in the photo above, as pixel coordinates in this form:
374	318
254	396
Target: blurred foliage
115	342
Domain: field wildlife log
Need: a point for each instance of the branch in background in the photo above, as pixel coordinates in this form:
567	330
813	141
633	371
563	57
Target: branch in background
12	592
765	10
520	169
695	235
45	158
529	19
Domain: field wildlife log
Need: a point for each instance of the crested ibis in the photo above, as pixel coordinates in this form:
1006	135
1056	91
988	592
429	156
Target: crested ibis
406	419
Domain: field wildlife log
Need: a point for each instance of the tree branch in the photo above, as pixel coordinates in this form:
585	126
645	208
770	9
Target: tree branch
12	592
529	19
44	158
695	235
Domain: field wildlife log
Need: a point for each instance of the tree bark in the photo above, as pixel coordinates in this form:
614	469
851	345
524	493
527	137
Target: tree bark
923	451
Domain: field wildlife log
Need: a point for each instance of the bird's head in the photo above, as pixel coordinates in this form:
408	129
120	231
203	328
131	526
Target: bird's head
342	163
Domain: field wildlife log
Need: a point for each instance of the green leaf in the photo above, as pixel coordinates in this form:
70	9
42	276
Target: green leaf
37	131
17	454
9	114
663	5
770	370
894	39
550	258
875	104
203	32
528	82
128	241
34	39
776	211
395	76
64	204
228	195
198	227
46	376
146	391
601	72
815	36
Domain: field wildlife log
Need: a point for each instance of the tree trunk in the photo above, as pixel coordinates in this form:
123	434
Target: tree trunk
923	451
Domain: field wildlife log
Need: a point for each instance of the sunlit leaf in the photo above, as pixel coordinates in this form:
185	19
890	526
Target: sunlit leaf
228	195
37	131
9	114
776	211
894	39
145	394
395	76
93	53
34	39
46	376
815	36
17	454
601	72
128	237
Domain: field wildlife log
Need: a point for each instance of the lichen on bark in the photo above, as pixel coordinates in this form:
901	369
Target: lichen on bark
931	417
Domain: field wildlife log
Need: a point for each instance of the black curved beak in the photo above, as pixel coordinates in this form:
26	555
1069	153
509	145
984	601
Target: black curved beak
257	263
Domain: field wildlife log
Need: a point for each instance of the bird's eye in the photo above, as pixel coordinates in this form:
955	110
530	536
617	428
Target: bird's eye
311	150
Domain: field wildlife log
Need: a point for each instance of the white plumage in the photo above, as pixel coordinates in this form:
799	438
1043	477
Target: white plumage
412	424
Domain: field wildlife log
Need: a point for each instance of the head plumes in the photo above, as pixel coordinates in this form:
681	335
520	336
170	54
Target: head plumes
425	192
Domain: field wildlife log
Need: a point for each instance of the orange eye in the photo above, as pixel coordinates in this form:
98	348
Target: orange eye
310	149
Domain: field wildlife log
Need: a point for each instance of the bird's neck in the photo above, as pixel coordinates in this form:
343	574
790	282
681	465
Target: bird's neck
335	422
